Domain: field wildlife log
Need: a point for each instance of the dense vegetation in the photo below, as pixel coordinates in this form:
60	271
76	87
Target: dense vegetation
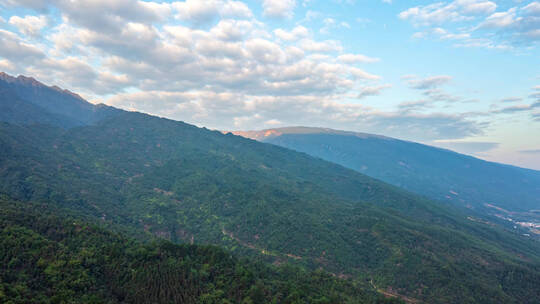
45	258
175	181
147	177
437	173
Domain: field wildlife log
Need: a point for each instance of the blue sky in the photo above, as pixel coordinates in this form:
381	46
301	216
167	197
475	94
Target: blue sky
461	74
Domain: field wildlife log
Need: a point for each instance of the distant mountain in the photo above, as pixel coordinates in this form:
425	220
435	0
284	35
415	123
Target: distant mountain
152	177
434	172
27	101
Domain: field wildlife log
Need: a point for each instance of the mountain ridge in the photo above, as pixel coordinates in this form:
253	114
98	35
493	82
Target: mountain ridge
159	178
58	106
435	172
265	134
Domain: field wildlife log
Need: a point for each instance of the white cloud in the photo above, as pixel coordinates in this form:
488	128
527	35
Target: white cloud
15	49
357	58
326	46
440	12
500	19
331	24
6	65
233	30
265	51
236	9
361	74
485	27
225	111
429	82
373	90
295	34
214	65
442	34
39	5
29	25
279	8
532	8
197	12
476	6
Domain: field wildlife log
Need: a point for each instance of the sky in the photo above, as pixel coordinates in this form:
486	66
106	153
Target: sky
463	74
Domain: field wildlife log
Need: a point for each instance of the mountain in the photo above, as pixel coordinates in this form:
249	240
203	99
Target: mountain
440	174
28	101
149	177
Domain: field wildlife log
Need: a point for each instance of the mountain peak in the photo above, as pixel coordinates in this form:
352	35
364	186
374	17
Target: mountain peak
29	81
25	80
21	79
50	104
7	78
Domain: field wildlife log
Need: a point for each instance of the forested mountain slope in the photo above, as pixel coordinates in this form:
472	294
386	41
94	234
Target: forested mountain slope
437	173
26	100
147	176
186	184
48	258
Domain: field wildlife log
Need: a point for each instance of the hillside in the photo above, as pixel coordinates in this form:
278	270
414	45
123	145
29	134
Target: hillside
437	173
47	258
25	100
147	176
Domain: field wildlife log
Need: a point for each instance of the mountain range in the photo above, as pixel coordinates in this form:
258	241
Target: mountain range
149	178
507	192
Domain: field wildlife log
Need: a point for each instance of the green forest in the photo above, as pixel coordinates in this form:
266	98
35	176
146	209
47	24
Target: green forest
47	257
152	179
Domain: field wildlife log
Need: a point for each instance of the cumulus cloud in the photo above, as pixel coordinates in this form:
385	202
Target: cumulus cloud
14	48
38	5
104	16
293	35
325	46
440	12
485	27
279	8
217	66
29	25
242	112
204	12
141	50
